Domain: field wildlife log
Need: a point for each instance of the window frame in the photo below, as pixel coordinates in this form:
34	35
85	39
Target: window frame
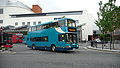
43	39
28	23
1	21
33	28
16	23
23	23
39	28
1	11
39	39
60	39
34	23
39	22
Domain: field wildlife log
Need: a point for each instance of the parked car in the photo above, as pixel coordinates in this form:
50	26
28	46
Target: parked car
97	40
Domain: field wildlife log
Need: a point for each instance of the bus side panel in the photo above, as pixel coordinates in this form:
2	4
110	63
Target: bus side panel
54	39
28	42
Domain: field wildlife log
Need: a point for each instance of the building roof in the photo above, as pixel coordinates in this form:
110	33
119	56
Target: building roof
13	3
48	14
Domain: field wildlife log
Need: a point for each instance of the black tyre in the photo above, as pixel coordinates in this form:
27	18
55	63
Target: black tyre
33	47
53	48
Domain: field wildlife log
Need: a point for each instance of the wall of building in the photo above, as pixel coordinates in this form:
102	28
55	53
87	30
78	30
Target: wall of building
11	10
12	7
84	18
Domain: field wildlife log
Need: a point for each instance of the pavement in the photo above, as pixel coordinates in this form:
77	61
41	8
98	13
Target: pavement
99	47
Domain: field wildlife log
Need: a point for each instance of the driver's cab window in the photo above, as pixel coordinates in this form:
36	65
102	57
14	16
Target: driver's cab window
61	37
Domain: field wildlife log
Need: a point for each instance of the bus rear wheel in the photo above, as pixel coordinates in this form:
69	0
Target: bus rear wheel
53	48
33	47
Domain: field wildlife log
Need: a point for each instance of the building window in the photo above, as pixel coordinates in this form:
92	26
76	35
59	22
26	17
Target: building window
23	23
39	22
28	23
34	23
16	23
1	11
1	21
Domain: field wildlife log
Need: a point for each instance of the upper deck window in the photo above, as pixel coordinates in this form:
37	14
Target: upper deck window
45	26
61	23
68	22
38	27
33	28
71	23
53	25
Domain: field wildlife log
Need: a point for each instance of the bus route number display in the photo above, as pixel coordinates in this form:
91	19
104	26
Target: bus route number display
72	30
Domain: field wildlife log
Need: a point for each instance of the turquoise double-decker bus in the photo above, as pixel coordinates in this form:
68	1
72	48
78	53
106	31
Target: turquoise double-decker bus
57	35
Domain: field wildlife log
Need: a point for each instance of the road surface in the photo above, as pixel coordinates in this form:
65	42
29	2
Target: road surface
23	57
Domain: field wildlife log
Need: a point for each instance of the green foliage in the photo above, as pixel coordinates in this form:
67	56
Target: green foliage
102	35
108	16
105	37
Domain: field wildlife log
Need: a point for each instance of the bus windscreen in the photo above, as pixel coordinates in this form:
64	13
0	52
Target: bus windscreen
71	38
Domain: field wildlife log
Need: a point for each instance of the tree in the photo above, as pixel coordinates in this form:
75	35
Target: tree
108	17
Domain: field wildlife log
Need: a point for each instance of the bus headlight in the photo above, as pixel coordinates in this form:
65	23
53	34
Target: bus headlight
68	46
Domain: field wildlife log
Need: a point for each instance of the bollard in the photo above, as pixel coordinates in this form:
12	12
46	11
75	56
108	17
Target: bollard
92	44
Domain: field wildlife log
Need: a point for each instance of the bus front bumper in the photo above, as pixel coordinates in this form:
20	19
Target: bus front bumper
68	47
65	49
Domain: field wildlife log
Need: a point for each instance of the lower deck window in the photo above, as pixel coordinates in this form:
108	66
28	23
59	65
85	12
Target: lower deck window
39	39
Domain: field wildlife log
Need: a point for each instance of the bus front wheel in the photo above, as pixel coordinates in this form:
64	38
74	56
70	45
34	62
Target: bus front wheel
53	48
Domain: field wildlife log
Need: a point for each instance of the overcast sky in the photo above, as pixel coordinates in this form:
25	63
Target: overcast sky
67	5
